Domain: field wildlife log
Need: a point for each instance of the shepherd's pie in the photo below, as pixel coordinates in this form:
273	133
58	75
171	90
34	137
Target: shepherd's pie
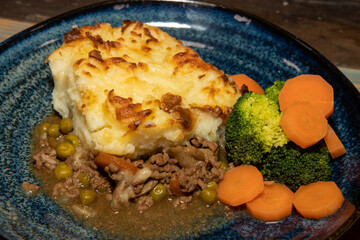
134	90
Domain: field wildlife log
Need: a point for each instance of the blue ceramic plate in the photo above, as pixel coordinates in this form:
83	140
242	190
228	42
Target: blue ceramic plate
234	41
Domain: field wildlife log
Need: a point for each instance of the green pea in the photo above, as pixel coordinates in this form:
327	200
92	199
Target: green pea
72	139
52	142
65	149
103	188
208	195
87	196
212	185
223	166
43	128
66	125
62	171
84	179
53	131
158	193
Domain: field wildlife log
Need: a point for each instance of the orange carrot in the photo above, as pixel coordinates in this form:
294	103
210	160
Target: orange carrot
317	200
333	143
308	88
240	185
175	187
273	204
104	159
268	182
303	124
253	86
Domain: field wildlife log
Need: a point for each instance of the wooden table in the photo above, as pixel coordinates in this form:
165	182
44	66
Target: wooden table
330	26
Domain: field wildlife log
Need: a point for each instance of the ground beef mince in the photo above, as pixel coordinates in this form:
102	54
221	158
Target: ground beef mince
182	201
81	162
201	142
67	190
194	165
128	185
204	167
46	158
189	167
144	202
163	167
30	188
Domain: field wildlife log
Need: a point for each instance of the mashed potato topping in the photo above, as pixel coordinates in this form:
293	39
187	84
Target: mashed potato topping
134	90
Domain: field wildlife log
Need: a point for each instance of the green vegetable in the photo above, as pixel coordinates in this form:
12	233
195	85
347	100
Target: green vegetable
223	166
87	197
212	185
43	128
254	136
102	188
84	179
62	171
65	149
208	195
158	193
294	166
273	91
72	139
253	129
54	130
52	142
66	125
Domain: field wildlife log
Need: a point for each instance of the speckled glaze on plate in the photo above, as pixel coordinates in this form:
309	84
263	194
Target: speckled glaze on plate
232	40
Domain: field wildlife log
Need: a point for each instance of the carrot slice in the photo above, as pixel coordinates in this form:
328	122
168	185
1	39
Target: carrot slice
303	124
268	182
317	200
240	185
333	143
252	85
308	88
104	159
273	204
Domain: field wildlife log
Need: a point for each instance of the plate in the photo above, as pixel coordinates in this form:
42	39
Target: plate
232	40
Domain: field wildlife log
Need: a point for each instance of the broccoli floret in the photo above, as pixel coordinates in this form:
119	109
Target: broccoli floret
273	91
253	128
254	136
294	166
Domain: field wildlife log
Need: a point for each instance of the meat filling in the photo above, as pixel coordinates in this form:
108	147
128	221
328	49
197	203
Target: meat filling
183	171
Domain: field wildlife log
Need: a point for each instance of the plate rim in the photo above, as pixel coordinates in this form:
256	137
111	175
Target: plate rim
348	86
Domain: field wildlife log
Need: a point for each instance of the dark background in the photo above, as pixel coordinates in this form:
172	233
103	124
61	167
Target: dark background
330	26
